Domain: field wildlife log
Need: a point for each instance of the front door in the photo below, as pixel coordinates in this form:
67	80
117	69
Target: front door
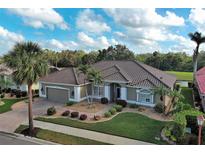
118	93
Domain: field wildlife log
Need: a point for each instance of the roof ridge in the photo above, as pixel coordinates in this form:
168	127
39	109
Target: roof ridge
124	74
76	78
138	63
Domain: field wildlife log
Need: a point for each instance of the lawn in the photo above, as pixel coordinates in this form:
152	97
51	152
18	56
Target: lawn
60	137
130	125
188	96
8	103
185	76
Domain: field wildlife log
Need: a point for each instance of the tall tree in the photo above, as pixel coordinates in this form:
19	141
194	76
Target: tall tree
95	78
85	70
26	59
198	39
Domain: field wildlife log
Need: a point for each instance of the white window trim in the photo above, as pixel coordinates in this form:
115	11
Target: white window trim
138	91
98	91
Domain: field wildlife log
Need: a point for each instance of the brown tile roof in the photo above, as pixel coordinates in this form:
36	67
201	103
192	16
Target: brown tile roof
131	72
138	74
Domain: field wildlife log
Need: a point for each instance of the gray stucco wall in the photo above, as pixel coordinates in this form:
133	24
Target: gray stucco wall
63	86
131	94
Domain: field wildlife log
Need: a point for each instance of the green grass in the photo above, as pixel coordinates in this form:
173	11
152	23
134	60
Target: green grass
188	96
130	125
185	76
60	137
8	103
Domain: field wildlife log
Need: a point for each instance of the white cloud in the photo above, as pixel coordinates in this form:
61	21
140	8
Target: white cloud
41	18
145	29
85	39
197	18
144	18
59	45
87	42
8	39
90	22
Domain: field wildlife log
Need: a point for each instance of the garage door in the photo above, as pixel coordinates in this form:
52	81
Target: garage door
58	95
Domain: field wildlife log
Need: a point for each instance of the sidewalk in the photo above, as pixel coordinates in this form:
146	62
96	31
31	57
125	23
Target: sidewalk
106	138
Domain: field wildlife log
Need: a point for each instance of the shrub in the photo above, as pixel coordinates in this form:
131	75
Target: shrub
18	94
104	100
70	103
190	84
8	90
141	109
97	117
173	138
187	107
121	102
23	93
177	86
192	123
113	111
83	117
74	114
51	111
11	94
107	114
66	113
159	108
0	91
36	91
133	106
2	96
118	108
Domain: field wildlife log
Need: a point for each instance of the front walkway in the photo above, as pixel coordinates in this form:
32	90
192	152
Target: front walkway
106	138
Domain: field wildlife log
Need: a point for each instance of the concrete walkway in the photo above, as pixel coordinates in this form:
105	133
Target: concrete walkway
106	138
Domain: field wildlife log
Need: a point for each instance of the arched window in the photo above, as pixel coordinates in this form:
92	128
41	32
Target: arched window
145	96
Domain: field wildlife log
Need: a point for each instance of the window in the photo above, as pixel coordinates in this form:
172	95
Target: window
98	91
145	96
42	91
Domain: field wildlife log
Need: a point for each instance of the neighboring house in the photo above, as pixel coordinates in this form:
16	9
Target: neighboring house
6	74
200	84
128	80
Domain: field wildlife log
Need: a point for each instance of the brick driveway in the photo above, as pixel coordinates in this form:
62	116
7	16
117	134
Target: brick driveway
9	121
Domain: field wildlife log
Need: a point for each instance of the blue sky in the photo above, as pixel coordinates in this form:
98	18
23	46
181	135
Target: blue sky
142	30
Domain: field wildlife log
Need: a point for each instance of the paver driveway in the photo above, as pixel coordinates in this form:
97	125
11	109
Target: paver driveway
9	121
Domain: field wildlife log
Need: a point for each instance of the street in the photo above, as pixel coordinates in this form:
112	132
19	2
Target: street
10	139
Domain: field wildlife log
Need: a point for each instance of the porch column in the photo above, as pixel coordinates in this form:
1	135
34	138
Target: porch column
77	94
137	92
123	91
107	91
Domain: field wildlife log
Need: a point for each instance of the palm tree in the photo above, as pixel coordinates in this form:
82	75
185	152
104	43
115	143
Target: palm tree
84	69
26	59
162	91
95	78
198	39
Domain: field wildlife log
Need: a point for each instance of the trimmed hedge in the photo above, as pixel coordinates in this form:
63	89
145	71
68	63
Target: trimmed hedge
83	117
121	102
118	108
74	114
113	111
70	103
107	114
159	108
66	113
51	111
104	100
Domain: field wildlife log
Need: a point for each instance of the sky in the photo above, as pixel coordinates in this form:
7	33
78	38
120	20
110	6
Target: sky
141	30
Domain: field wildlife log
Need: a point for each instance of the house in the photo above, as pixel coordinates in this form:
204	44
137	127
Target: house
7	82
200	84
128	80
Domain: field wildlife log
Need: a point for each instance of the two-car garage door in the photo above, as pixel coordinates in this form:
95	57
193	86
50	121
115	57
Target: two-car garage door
57	95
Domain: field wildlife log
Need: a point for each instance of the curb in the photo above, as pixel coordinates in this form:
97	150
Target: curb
35	140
